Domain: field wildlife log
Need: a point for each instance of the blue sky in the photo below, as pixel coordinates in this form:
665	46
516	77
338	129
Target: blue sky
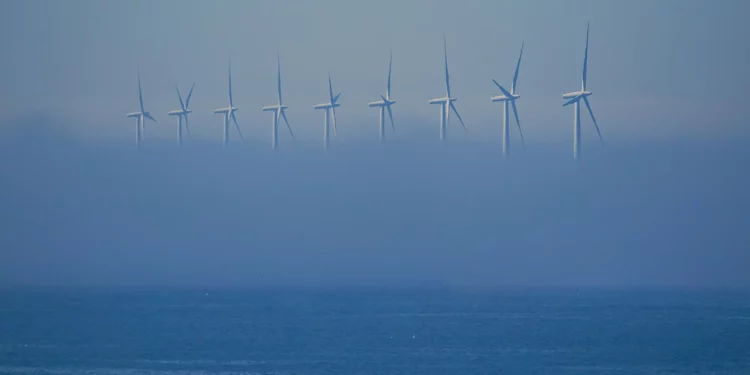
657	68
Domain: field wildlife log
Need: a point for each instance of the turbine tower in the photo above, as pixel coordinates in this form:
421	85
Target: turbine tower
278	110
330	112
509	97
229	112
446	102
140	116
385	103
182	112
575	99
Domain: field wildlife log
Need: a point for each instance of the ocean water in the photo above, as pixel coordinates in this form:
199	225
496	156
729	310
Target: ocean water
512	331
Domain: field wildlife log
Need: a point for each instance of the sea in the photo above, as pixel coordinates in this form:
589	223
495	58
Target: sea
385	331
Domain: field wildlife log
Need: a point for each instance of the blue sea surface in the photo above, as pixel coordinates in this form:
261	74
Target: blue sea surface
507	331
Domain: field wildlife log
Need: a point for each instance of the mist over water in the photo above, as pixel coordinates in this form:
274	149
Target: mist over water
407	213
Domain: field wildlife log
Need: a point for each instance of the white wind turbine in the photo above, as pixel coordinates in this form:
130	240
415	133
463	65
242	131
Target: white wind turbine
278	110
330	112
509	97
140	116
229	112
575	99
182	112
385	103
446	102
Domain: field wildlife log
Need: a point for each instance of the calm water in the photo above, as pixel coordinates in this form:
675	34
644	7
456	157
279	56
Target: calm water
375	332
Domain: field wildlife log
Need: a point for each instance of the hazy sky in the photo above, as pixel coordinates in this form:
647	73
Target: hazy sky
657	68
666	200
633	214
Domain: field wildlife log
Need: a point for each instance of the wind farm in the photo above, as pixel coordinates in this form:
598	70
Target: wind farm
434	231
447	103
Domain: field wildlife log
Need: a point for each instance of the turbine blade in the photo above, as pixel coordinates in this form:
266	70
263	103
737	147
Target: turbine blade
453	107
446	107
236	125
505	92
148	116
182	104
390	115
333	119
190	95
515	76
335	98
571	101
278	69
230	84
140	91
518	122
588	106
330	89
187	127
586	58
283	114
447	77
390	67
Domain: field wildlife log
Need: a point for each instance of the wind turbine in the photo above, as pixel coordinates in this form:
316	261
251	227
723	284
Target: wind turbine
182	112
140	116
385	103
278	110
509	97
575	99
446	102
330	111
229	112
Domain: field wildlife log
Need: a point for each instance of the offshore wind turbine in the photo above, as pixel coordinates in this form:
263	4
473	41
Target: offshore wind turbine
330	112
182	112
575	99
278	110
509	97
140	116
385	103
446	102
229	112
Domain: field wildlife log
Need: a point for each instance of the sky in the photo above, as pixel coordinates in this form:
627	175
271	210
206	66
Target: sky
658	69
665	201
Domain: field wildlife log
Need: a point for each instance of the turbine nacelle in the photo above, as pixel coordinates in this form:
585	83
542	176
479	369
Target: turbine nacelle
226	110
572	95
503	98
139	114
180	113
275	108
382	103
444	100
327	106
